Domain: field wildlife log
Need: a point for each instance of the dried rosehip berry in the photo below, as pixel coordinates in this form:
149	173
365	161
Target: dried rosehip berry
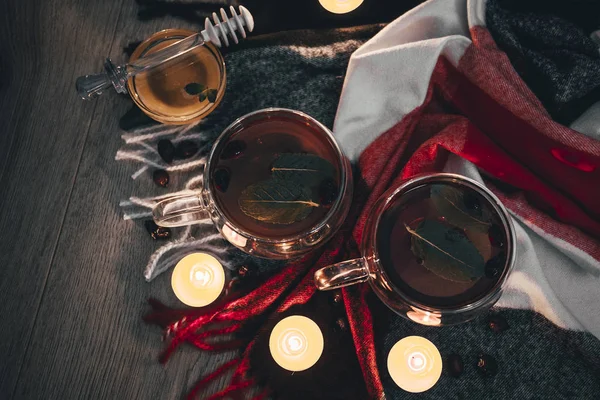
340	325
487	365
186	149
161	177
157	232
338	297
166	150
497	323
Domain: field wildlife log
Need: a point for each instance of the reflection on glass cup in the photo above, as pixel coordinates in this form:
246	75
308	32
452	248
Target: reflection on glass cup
276	185
436	250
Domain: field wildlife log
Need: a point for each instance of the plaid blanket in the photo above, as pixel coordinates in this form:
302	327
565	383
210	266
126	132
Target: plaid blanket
430	92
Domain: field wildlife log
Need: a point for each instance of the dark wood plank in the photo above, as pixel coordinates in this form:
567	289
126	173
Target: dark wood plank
44	127
89	340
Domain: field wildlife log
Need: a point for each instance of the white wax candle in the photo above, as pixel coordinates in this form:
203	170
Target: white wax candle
198	279
415	364
296	343
340	6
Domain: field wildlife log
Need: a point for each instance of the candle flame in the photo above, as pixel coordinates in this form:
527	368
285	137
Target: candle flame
417	361
201	275
293	342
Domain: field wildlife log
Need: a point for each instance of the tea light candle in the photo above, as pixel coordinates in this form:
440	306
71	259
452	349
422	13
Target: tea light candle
296	343
415	364
198	279
340	6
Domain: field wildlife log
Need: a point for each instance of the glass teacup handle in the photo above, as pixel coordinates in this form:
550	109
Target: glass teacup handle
342	274
180	210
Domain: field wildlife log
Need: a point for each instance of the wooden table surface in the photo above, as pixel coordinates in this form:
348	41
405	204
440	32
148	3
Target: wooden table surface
71	286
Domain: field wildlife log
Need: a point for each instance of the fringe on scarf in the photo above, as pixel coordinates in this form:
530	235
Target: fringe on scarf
141	148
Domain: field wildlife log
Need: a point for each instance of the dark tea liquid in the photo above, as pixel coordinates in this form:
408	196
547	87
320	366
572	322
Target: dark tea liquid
442	245
247	159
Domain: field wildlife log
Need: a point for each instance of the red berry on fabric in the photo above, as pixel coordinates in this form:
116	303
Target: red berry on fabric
186	149
161	177
166	150
157	232
497	323
487	365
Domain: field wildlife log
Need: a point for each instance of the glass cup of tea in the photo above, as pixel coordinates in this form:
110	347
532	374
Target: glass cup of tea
276	185
436	250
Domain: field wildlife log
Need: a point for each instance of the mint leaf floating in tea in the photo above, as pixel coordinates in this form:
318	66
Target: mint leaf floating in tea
277	201
446	251
308	169
461	208
194	88
211	95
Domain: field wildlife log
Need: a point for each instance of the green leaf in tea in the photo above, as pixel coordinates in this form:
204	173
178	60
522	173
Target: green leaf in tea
202	96
462	209
194	88
307	169
211	95
446	251
277	201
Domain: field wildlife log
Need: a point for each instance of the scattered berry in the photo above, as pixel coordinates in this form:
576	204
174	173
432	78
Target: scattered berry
166	150
186	149
497	323
337	297
341	324
487	365
161	177
157	232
